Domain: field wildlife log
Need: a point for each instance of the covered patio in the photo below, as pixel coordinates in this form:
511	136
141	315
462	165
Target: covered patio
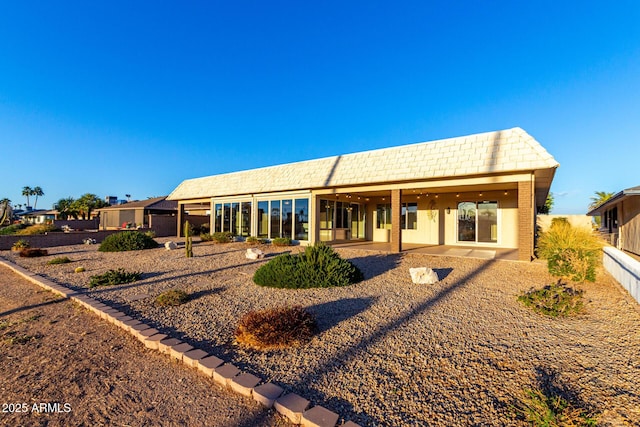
505	254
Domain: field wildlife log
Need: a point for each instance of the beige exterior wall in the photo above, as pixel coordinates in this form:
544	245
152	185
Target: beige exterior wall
584	221
435	225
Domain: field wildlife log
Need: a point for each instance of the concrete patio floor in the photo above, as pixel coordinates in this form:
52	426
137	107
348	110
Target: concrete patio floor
508	254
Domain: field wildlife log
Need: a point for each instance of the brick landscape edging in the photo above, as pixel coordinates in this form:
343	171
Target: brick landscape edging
296	408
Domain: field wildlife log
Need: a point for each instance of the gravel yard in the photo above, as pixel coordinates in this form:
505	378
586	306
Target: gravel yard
460	352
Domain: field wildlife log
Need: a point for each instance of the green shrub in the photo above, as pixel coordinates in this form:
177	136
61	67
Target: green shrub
218	237
11	229
572	253
557	300
281	241
79	270
114	277
59	260
550	410
127	241
172	297
37	229
319	266
33	252
20	245
253	240
275	328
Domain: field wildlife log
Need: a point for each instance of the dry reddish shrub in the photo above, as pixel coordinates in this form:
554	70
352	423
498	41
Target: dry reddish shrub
275	328
33	252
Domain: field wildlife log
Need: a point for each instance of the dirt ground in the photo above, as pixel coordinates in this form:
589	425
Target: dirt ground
60	365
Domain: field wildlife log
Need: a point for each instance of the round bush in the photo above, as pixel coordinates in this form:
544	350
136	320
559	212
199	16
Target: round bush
319	266
172	297
127	241
275	328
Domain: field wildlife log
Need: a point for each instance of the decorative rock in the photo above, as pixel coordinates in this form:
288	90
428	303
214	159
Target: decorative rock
266	394
170	245
423	276
350	424
319	417
254	253
292	406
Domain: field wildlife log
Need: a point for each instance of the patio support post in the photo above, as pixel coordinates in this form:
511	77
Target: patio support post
180	216
526	220
396	210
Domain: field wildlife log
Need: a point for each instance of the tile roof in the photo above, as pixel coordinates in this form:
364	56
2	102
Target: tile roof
492	152
159	203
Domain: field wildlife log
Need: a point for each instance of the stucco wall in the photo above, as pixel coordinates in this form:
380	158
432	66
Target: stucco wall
544	221
624	269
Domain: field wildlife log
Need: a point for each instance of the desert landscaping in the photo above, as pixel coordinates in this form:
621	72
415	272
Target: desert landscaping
462	351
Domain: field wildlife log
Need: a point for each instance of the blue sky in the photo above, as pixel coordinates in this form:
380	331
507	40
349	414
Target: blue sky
118	98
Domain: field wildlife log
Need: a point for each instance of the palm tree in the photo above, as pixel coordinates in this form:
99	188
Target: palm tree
5	207
65	208
27	191
37	191
599	198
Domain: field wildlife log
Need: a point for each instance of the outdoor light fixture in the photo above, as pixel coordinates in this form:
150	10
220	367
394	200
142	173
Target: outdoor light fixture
448	210
436	196
457	194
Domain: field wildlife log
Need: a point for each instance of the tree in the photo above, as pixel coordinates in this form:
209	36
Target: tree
27	191
87	203
36	191
65	208
599	198
548	205
5	211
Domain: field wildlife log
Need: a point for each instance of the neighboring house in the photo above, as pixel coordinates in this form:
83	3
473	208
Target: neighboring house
39	216
620	219
156	213
480	190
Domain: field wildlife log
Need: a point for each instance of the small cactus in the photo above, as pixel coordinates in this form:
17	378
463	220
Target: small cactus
79	269
188	243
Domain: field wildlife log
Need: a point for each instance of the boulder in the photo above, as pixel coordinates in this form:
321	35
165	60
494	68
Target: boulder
254	253
170	245
423	275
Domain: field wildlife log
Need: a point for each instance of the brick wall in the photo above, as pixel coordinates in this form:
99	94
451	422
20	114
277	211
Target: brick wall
396	213
55	239
525	220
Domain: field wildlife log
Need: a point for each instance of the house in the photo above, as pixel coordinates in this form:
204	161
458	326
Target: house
479	191
156	213
620	219
38	216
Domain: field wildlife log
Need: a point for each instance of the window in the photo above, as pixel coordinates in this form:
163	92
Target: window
263	219
218	217
383	217
245	219
409	216
275	218
301	219
478	222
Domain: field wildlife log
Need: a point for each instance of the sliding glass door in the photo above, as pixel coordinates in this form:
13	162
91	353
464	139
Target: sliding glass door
478	222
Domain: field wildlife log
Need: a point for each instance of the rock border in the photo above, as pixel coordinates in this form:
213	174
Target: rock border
296	408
